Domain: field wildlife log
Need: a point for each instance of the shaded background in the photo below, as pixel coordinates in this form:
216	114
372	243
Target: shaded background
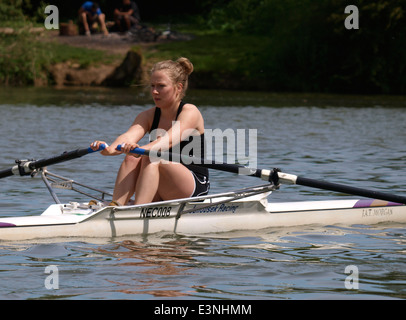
304	44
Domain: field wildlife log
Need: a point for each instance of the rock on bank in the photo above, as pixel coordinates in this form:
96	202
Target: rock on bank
129	71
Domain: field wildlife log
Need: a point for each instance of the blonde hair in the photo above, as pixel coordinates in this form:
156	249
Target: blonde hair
178	71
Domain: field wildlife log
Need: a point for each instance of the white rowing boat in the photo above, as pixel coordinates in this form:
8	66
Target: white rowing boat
246	209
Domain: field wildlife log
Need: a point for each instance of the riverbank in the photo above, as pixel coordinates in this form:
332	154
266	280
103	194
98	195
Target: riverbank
276	46
45	58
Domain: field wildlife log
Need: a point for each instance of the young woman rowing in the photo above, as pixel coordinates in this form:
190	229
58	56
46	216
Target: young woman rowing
175	125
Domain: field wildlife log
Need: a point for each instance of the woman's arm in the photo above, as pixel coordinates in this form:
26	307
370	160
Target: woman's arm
132	136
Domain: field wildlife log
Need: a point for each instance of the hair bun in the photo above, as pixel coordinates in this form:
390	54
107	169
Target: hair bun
186	65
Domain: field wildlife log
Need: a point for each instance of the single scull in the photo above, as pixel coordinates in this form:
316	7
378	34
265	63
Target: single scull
245	209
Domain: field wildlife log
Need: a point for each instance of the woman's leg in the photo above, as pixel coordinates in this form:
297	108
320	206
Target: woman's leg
126	180
163	181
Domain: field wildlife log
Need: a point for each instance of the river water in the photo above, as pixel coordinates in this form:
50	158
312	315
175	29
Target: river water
357	140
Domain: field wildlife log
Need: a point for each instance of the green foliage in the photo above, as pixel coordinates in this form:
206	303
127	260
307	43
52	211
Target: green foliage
10	10
311	50
22	10
291	45
24	59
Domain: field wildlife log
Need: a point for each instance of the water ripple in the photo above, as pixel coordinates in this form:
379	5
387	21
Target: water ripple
337	138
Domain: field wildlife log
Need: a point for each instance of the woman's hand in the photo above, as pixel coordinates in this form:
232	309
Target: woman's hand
96	145
127	147
106	151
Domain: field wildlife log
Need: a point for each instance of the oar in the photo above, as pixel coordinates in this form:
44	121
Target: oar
275	176
26	167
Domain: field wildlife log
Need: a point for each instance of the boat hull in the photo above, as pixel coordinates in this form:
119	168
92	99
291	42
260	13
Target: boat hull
80	220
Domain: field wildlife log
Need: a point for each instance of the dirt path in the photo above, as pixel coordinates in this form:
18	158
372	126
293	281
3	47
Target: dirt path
66	73
113	43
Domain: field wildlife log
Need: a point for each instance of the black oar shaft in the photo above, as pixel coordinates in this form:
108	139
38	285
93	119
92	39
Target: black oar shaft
25	167
274	175
6	173
66	156
349	190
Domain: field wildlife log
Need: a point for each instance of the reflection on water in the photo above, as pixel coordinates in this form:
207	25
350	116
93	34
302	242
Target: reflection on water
73	96
277	264
147	259
290	263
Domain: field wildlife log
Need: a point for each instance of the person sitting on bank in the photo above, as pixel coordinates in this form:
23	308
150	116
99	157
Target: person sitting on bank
126	15
89	13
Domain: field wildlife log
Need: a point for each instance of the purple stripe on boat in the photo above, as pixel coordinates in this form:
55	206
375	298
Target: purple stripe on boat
375	203
363	203
5	225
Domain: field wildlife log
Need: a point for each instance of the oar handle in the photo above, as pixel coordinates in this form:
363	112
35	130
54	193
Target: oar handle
101	148
139	151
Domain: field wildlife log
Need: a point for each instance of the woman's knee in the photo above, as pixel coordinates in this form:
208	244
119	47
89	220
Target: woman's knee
131	160
142	162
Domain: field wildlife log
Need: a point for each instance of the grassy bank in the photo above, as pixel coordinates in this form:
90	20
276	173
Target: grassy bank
221	60
275	45
25	56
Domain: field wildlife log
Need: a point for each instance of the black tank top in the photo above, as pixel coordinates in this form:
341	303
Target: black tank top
183	143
